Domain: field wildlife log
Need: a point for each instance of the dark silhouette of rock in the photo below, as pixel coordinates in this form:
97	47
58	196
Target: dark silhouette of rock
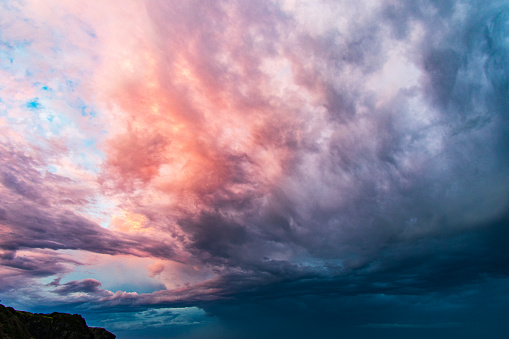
25	325
10	324
101	333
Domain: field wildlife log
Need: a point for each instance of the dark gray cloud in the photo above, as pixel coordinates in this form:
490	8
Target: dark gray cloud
404	195
89	286
398	208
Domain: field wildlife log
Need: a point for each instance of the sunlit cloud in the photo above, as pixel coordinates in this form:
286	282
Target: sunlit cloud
271	154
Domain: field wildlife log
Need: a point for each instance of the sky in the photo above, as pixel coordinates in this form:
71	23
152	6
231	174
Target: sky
257	169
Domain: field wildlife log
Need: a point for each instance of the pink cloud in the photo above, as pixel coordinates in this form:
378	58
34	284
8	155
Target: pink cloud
240	144
156	269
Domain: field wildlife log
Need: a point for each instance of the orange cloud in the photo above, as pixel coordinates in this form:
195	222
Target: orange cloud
129	222
155	269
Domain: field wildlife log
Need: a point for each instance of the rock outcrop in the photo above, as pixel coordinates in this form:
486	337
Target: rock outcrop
25	325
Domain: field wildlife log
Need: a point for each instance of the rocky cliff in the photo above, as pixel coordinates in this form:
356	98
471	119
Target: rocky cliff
25	325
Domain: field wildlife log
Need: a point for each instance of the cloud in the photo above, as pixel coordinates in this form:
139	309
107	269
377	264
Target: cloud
88	286
330	170
156	269
39	210
281	152
20	267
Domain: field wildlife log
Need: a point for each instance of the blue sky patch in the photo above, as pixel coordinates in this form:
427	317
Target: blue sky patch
34	104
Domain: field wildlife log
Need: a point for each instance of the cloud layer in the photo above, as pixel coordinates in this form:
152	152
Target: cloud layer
260	155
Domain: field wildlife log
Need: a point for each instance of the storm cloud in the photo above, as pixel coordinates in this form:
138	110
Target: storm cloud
336	164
